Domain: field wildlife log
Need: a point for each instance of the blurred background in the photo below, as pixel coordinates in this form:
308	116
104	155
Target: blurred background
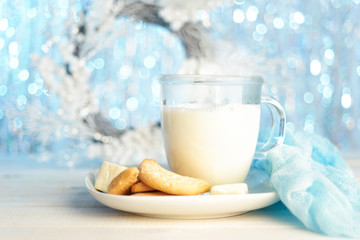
307	51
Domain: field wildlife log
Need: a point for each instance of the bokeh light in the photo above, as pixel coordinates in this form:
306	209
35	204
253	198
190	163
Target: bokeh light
316	55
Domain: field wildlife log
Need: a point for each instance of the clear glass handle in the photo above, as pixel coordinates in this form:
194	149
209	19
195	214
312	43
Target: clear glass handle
275	134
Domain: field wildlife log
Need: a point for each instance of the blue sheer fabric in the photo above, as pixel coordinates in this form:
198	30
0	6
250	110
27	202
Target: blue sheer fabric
315	184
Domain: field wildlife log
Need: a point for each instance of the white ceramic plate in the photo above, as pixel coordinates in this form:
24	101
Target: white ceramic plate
192	207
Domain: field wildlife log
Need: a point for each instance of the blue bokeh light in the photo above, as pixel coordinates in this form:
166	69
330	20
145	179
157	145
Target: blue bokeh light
317	56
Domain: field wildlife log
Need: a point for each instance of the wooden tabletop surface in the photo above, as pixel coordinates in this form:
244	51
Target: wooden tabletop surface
54	204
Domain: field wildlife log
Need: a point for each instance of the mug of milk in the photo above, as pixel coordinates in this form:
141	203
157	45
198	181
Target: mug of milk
211	124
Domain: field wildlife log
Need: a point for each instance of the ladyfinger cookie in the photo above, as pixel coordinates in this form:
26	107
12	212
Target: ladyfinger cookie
149	194
141	187
107	172
157	177
121	184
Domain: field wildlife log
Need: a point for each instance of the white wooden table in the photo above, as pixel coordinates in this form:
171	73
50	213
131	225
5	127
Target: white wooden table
54	204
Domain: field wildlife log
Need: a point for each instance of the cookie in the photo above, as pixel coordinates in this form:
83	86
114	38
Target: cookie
157	177
107	172
149	194
141	187
227	189
121	184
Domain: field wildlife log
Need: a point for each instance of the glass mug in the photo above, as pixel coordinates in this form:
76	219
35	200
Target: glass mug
211	125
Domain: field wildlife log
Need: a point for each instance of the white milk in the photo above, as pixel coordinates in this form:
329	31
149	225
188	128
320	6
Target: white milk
213	143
